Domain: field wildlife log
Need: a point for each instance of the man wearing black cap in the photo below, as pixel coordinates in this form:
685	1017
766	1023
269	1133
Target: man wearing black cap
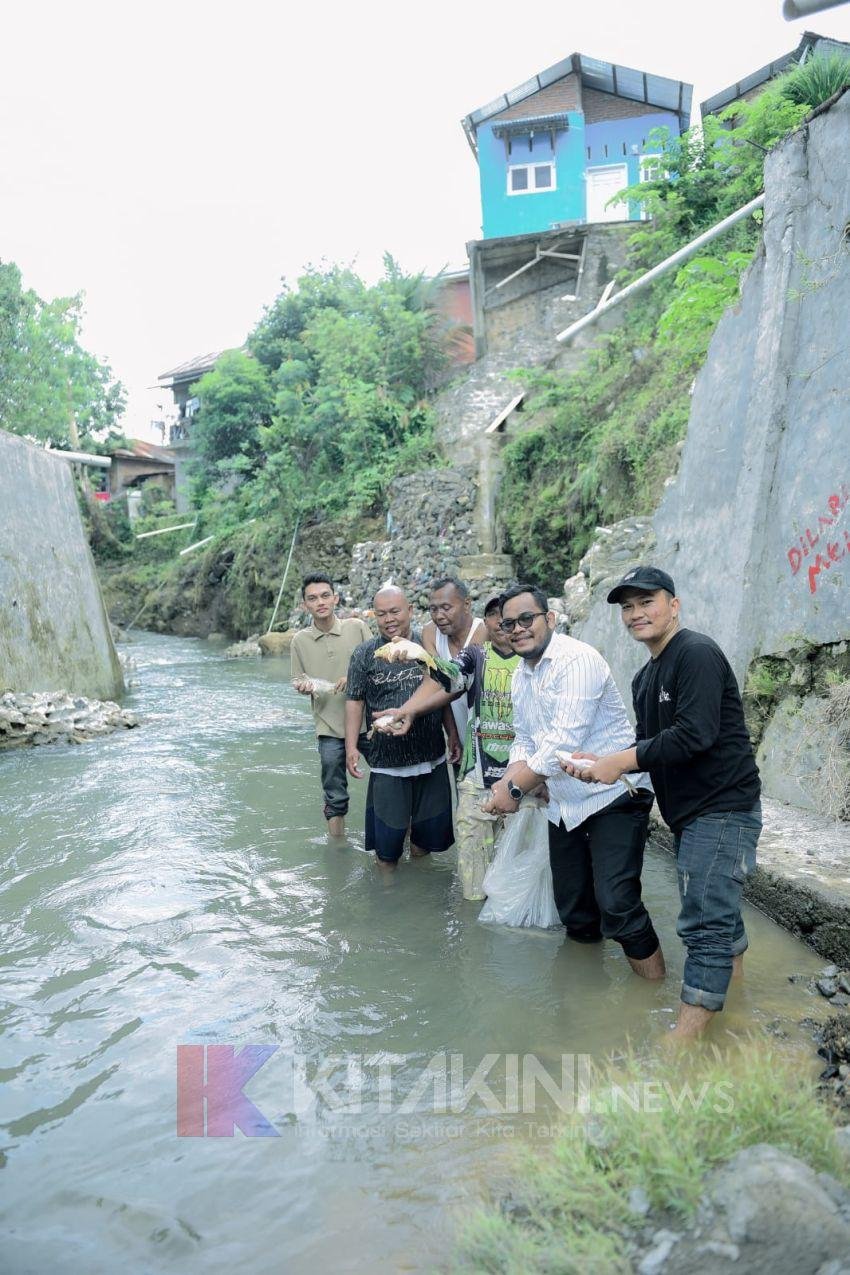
692	739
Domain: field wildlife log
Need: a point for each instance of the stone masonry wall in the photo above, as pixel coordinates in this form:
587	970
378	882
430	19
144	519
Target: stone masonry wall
520	333
430	528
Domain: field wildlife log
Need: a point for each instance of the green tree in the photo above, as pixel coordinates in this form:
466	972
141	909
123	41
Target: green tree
350	366
236	401
51	388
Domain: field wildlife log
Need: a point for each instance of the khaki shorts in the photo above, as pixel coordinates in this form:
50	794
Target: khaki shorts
476	838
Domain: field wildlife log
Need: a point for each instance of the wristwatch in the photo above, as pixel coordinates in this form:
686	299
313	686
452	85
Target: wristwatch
515	793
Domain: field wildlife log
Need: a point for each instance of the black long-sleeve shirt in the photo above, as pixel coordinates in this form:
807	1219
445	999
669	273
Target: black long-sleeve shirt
691	732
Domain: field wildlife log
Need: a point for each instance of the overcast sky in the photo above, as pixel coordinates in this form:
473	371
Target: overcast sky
175	160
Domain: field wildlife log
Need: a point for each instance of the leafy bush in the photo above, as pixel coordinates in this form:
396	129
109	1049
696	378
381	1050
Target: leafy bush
109	531
816	80
610	435
327	404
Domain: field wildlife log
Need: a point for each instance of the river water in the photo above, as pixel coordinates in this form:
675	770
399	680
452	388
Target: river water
173	885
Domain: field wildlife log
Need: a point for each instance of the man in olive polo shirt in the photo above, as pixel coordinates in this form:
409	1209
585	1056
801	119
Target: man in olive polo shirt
322	651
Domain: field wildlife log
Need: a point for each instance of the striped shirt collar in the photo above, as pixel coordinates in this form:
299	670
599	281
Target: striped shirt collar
553	650
570	701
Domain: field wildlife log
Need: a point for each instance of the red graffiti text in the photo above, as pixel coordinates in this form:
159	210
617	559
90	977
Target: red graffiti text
834	542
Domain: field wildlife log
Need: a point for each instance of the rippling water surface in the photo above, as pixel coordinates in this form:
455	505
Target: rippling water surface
173	885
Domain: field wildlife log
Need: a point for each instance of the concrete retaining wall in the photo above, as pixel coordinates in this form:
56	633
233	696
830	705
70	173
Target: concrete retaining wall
756	527
54	631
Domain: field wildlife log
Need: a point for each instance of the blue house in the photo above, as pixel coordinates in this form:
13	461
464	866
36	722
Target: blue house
555	149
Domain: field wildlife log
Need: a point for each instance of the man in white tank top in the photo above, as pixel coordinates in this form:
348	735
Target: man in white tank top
451	629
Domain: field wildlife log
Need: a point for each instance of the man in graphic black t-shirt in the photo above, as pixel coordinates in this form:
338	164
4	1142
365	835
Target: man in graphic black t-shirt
409	784
692	739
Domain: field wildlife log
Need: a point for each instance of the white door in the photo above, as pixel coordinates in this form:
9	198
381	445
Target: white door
602	183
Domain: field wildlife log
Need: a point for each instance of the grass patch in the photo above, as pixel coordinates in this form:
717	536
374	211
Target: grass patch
568	1205
765	678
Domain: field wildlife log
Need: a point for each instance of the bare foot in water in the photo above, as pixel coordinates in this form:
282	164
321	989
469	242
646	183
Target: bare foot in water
690	1025
652	967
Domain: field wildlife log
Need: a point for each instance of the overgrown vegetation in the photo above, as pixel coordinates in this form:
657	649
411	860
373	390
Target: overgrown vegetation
607	437
329	398
327	403
324	406
568	1207
765	677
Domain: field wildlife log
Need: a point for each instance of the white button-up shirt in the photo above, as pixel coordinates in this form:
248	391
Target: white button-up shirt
569	700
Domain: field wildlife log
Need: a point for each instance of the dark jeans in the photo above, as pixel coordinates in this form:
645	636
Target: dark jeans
714	856
334	774
596	871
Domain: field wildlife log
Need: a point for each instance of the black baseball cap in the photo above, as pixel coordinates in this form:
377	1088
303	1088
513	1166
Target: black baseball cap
494	602
649	578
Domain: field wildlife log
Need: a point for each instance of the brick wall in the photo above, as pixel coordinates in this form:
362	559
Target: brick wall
454	303
563	95
600	107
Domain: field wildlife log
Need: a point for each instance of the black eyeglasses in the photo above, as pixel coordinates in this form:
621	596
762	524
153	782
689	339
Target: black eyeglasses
524	621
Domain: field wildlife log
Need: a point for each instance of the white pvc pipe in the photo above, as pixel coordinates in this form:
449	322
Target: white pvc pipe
181	526
668	264
81	458
196	545
792	9
207	539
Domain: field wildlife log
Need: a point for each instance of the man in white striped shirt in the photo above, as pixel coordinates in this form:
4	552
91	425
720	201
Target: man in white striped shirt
565	699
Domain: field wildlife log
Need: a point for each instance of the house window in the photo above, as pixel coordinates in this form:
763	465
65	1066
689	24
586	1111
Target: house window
650	170
525	179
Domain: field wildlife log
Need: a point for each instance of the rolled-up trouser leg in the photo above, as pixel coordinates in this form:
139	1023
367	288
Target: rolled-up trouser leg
715	854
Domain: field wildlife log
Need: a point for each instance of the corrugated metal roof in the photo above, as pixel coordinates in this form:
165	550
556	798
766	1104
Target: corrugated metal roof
810	41
607	77
191	369
559	121
141	450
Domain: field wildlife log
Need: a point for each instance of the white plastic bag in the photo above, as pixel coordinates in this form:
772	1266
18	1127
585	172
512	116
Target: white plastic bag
518	883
